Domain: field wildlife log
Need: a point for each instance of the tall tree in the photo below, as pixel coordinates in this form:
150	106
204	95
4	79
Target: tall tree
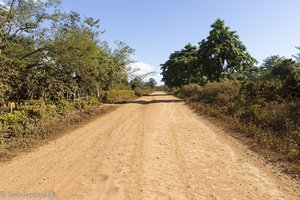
22	33
223	54
21	18
271	61
117	68
45	53
182	67
152	83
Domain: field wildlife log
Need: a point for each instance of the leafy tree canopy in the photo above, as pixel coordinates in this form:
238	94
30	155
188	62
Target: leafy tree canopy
222	54
182	67
46	53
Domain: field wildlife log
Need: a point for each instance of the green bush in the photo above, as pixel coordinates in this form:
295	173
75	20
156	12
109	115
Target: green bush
35	102
216	93
118	96
101	95
268	90
219	93
190	91
34	111
51	109
35	108
81	103
63	105
14	118
93	101
175	91
138	91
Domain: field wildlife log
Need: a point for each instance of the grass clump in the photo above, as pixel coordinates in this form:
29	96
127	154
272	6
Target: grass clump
119	96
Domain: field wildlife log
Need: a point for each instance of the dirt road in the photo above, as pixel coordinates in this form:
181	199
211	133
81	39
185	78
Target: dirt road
152	148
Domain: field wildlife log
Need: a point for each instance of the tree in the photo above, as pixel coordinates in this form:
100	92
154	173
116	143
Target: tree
23	43
152	83
117	65
288	71
271	61
182	67
21	18
9	78
280	78
222	54
297	56
48	54
137	82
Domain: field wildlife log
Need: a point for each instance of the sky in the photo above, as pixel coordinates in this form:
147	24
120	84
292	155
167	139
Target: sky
156	28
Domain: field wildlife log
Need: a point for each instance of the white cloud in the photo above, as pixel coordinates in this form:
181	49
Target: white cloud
2	3
146	68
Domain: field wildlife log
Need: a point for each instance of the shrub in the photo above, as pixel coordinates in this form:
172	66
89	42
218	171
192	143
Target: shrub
16	117
250	114
219	93
175	90
190	91
101	95
81	103
35	108
51	109
216	93
138	91
35	102
146	92
264	90
93	101
118	96
34	111
63	105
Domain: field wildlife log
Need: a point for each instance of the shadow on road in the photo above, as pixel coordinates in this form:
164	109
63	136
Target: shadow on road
156	95
143	102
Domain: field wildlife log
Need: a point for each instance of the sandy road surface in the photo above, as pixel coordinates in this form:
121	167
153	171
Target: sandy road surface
152	148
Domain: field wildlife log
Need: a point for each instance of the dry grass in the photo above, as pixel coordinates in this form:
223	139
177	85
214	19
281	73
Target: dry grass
49	129
255	138
270	126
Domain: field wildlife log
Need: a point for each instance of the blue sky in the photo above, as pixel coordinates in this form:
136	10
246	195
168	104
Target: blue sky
155	28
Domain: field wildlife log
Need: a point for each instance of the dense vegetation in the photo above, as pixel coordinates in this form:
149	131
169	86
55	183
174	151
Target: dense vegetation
220	77
221	55
53	66
51	55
